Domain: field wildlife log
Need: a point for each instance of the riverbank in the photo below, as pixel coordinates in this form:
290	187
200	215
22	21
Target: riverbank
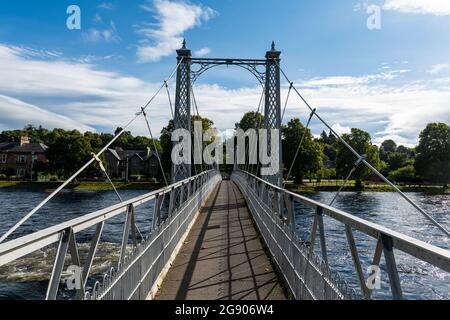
78	186
333	187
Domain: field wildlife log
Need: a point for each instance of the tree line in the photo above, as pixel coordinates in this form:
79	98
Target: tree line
323	157
326	157
68	150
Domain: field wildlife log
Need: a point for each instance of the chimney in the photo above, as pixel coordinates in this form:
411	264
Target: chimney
24	140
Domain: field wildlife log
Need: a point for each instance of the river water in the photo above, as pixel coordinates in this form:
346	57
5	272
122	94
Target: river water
28	277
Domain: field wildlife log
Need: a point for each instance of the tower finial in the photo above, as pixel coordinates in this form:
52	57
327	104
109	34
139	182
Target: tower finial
184	44
273	45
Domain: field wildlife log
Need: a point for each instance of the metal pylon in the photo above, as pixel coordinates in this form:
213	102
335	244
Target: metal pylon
182	107
272	110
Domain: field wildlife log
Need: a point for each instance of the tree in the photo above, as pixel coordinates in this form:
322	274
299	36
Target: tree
309	159
328	141
404	174
387	147
433	154
68	152
251	120
166	140
345	159
396	160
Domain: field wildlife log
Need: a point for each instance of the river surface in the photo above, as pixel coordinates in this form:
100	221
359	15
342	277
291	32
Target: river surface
28	277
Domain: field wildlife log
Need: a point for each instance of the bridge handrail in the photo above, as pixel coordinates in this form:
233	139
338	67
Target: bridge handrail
20	247
434	255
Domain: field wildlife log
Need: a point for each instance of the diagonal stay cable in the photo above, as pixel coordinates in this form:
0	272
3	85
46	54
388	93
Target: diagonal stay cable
194	101
365	162
257	125
168	96
287	100
299	146
76	174
346	180
144	114
103	169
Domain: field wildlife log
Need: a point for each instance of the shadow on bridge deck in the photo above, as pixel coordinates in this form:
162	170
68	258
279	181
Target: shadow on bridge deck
222	257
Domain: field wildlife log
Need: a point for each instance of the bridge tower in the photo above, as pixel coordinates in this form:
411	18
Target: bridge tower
182	106
272	110
270	79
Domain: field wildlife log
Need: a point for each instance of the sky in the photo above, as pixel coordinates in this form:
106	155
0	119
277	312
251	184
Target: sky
390	81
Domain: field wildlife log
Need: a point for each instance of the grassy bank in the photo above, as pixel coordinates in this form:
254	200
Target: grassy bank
333	187
88	186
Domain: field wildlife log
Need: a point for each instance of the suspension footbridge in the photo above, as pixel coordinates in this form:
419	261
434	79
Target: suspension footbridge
211	237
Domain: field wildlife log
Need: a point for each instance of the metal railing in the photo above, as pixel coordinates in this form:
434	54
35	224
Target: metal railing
309	276
137	271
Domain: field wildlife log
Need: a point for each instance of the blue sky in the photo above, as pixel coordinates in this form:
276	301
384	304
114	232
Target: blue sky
390	82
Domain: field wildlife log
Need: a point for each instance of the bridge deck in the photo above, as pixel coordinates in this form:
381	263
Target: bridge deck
222	257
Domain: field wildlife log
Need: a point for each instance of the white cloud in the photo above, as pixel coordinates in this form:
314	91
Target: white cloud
71	90
107	6
16	114
340	129
78	95
438	68
173	20
435	7
202	52
108	35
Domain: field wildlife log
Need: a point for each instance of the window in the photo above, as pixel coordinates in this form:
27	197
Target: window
21	158
2	158
20	172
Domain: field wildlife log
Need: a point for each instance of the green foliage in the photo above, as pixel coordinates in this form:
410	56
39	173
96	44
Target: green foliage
404	174
251	120
68	152
166	140
328	142
433	153
325	173
345	159
310	157
127	141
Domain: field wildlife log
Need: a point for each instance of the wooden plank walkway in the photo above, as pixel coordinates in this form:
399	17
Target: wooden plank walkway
222	257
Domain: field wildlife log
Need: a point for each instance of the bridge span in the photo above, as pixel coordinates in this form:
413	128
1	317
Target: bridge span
223	256
215	239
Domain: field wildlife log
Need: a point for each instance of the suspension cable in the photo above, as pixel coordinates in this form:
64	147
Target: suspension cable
299	146
347	179
144	114
103	169
198	115
287	100
365	162
257	125
168	96
76	174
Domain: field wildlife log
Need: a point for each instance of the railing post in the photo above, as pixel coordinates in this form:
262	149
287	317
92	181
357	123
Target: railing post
157	212
289	204
323	244
171	202
58	266
356	260
394	279
90	258
126	233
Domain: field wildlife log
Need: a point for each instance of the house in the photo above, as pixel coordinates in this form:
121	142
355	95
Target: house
20	158
127	164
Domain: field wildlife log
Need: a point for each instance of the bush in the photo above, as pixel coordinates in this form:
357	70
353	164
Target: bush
404	174
3	176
